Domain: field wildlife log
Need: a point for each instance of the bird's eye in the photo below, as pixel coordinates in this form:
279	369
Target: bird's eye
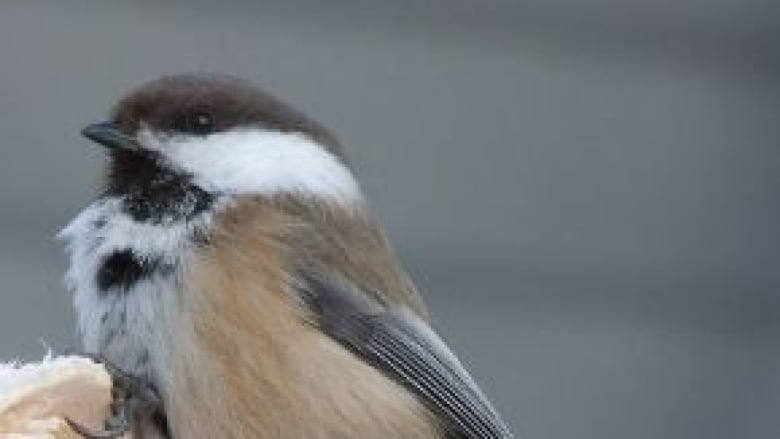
195	123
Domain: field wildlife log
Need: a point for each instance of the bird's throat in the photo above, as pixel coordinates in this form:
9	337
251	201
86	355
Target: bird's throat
152	191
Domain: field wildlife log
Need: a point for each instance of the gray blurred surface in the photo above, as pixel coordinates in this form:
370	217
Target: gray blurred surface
587	192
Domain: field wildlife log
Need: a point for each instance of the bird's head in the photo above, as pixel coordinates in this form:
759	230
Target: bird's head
180	141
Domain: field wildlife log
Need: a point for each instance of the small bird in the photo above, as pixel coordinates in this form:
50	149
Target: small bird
233	266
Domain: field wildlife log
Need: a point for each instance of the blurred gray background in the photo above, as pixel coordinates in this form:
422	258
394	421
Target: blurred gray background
587	192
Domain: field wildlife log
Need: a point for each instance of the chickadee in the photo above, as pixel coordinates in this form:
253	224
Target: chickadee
233	265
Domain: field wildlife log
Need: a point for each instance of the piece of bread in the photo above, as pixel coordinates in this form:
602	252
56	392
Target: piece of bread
35	398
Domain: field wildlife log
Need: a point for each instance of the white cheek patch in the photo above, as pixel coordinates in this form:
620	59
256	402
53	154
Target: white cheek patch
255	161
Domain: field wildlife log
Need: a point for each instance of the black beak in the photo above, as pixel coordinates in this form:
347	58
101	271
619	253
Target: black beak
109	135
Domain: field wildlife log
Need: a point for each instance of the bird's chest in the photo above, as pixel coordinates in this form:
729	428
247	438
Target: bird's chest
134	328
126	276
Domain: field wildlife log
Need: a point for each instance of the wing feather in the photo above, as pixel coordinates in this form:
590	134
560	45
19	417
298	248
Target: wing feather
400	344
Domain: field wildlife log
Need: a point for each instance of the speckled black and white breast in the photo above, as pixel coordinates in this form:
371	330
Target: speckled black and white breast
124	269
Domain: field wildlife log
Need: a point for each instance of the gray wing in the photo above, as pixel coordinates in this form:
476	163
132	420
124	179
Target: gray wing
401	345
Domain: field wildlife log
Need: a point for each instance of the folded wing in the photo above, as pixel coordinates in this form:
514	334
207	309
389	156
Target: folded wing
400	344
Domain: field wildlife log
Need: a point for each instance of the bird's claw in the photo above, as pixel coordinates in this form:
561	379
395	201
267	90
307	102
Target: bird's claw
107	433
125	388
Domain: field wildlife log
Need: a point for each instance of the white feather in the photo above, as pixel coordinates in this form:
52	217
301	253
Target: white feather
143	313
256	161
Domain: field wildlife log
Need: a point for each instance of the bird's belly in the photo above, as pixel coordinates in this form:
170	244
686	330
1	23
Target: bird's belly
316	389
248	365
